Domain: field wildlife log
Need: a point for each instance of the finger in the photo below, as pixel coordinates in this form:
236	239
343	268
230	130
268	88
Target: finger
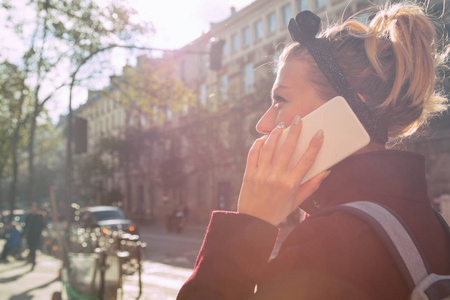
253	154
291	142
266	155
309	187
309	157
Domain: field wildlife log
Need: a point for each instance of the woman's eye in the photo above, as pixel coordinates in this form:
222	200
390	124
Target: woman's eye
278	99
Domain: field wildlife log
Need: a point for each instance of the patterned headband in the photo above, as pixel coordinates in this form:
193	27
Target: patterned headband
304	29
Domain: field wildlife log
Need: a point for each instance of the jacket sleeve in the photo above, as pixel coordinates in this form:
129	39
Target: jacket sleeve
234	253
322	258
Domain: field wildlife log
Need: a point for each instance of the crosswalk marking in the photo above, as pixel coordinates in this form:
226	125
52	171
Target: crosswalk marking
161	275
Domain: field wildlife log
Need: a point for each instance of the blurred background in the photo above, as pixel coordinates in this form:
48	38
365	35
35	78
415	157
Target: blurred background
158	119
151	107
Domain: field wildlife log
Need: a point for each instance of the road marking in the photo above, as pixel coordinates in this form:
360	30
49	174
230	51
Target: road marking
161	275
153	267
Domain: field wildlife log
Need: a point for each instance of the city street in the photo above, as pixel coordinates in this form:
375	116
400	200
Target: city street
172	248
169	260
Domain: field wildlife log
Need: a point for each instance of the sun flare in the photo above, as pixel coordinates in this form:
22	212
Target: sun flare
177	22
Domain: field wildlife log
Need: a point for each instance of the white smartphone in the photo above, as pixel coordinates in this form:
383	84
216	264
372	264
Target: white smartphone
343	135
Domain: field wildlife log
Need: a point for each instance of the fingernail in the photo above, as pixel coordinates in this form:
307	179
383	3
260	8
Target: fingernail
319	134
297	120
281	125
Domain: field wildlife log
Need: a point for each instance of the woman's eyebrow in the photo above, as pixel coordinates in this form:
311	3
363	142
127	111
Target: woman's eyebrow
277	87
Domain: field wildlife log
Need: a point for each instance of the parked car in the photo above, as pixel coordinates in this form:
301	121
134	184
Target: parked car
106	228
106	218
19	217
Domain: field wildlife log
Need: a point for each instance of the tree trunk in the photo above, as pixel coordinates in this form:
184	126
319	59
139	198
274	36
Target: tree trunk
14	150
15	167
31	155
69	166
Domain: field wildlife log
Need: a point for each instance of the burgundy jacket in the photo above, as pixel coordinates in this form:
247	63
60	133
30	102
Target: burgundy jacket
337	256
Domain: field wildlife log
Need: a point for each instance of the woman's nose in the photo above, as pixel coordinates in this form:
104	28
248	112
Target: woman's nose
267	122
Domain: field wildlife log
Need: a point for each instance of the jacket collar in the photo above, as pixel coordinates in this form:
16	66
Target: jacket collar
379	176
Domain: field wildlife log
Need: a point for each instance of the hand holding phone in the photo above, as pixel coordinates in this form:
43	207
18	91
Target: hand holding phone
344	135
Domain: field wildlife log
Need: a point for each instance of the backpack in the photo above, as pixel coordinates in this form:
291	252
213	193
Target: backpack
403	248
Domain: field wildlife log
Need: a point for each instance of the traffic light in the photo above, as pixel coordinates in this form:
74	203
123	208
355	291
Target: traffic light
215	54
80	135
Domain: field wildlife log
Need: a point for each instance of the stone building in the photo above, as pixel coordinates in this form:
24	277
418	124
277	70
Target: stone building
196	159
232	100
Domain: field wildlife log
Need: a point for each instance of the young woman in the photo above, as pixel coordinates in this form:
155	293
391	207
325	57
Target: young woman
386	71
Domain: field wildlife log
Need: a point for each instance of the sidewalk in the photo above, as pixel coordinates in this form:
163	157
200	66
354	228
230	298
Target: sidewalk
18	282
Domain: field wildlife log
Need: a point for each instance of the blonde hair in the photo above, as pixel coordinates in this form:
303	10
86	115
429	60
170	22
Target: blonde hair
392	63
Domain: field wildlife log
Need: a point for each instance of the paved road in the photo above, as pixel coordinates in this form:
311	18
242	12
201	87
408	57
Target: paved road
168	263
169	259
171	248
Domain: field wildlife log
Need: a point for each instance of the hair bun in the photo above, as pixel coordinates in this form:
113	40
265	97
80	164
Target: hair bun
305	26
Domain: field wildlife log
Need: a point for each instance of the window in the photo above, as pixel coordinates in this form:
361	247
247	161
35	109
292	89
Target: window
185	109
202	63
234	43
224	49
224	87
258	30
246	36
287	14
107	215
248	78
302	5
202	94
272	22
321	3
168	114
143	120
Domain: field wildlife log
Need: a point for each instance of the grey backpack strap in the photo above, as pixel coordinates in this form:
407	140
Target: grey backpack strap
443	223
432	287
401	243
403	248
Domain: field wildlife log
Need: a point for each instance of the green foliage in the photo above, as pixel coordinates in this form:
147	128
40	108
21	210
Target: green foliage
12	89
151	84
84	26
60	37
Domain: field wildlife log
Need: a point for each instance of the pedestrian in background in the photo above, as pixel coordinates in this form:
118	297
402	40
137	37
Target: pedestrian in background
34	224
386	70
13	241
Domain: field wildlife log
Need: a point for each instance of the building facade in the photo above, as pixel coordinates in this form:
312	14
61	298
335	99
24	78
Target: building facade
195	160
232	100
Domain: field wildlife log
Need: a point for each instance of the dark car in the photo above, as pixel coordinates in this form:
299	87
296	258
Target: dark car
106	218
